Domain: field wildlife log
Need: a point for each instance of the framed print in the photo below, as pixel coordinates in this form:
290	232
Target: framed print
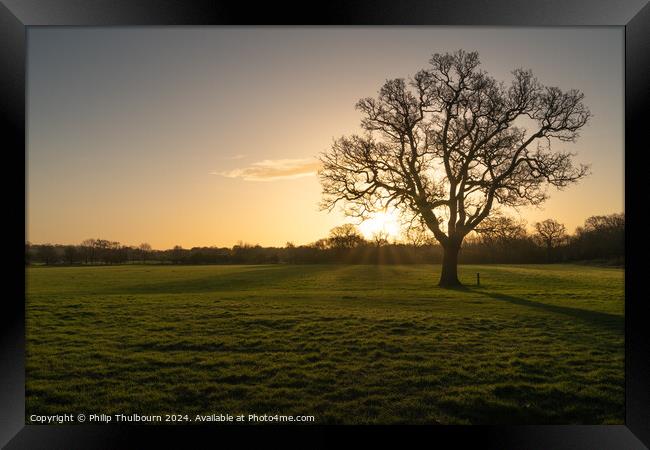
412	221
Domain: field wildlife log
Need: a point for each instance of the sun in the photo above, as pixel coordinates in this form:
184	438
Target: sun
381	222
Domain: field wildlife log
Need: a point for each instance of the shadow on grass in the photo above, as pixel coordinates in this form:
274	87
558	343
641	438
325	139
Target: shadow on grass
610	322
249	278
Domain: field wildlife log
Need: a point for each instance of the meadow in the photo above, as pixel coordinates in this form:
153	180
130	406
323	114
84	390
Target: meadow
532	344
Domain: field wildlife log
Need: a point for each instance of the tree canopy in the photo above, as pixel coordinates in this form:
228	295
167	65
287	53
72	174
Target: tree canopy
451	143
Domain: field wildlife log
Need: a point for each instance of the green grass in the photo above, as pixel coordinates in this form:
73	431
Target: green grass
347	344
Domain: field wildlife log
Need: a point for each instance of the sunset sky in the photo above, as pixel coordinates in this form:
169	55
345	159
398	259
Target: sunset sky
208	136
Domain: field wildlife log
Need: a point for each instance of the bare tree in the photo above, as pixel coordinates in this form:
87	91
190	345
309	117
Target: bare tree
88	250
601	236
71	254
345	236
500	229
144	249
415	231
417	235
177	254
599	223
380	238
451	143
321	244
290	251
551	234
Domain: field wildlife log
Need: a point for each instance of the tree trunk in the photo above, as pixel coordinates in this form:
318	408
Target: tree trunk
449	275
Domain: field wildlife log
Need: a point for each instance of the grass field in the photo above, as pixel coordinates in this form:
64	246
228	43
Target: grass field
347	344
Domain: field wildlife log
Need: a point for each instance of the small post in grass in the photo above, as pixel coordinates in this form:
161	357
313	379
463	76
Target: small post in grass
478	279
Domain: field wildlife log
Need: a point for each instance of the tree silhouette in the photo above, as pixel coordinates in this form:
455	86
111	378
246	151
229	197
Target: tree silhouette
47	254
71	254
177	254
380	238
451	143
417	235
144	250
601	236
345	236
88	250
500	229
550	233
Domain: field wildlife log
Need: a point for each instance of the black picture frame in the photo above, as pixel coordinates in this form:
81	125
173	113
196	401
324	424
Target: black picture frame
17	15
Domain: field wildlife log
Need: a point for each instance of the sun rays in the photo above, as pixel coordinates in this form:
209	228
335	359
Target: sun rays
386	223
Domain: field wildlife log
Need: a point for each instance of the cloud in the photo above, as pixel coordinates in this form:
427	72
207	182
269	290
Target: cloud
274	169
233	157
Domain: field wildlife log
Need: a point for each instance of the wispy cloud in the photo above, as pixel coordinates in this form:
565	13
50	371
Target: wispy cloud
238	156
274	169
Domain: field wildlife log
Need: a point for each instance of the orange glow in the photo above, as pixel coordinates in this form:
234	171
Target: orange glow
210	136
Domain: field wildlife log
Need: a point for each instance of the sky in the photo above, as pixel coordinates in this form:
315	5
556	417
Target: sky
207	136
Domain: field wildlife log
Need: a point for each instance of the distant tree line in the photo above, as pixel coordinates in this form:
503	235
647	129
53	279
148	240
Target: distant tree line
499	239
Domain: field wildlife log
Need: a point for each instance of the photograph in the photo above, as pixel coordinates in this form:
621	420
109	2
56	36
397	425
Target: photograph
325	225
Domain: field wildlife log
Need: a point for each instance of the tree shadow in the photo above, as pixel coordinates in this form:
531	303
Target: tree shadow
248	278
606	321
459	288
